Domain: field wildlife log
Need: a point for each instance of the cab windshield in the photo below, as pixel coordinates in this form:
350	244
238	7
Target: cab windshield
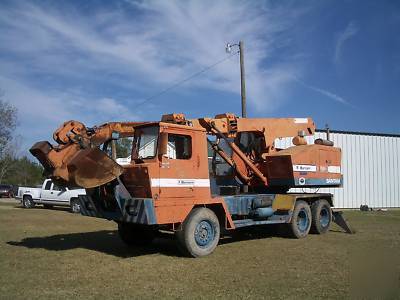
146	142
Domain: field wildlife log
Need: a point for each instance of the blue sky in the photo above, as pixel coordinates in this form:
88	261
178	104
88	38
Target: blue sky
96	61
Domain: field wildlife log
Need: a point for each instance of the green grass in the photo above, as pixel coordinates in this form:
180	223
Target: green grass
55	254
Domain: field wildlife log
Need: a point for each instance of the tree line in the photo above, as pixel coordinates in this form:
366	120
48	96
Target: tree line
15	169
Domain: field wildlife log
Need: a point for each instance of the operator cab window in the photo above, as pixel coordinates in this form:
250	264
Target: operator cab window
145	144
179	146
48	185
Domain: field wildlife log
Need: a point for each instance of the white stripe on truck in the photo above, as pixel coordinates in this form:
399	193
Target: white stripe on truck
179	182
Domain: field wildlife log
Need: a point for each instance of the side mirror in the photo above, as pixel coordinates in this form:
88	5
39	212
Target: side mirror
163	148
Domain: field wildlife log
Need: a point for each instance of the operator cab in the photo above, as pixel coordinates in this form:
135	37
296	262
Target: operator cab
166	162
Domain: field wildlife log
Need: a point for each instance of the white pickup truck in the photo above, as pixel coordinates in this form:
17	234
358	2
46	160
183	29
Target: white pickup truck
50	194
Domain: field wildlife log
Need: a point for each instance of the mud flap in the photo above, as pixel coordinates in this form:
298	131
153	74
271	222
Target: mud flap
342	222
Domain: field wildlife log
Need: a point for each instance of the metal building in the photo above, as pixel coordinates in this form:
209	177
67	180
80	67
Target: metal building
370	167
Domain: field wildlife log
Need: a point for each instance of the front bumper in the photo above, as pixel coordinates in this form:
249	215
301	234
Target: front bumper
134	210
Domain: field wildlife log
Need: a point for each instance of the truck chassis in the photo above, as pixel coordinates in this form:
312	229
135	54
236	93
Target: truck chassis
198	235
167	182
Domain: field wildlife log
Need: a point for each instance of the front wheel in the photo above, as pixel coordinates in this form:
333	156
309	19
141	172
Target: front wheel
200	233
301	220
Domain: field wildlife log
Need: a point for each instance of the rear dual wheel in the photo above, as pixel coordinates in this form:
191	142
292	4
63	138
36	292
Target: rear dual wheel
321	216
301	220
315	219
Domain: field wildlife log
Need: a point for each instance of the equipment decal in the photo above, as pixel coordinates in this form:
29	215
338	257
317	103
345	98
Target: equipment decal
334	169
304	168
179	182
333	180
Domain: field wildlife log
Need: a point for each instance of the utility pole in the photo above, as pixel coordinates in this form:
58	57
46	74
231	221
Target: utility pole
228	49
242	80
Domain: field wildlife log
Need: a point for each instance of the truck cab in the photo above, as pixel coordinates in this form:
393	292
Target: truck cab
166	170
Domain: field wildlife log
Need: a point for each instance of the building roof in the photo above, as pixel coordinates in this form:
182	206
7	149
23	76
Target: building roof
360	133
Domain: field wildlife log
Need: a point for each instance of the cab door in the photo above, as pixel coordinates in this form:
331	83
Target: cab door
177	166
47	192
60	194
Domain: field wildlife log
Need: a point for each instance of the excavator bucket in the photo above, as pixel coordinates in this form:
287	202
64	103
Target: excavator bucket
41	151
92	167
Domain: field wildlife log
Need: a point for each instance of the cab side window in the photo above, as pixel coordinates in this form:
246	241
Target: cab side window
56	188
179	146
48	185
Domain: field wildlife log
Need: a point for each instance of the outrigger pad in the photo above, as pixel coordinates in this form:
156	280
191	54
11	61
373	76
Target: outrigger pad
342	222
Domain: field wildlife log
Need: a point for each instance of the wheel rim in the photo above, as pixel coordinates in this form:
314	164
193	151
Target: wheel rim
324	217
204	234
302	220
76	207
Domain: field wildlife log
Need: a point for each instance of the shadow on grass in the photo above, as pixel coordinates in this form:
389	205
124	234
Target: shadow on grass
105	241
108	242
41	207
253	233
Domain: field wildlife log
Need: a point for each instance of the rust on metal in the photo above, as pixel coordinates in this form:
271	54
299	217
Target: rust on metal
77	159
91	167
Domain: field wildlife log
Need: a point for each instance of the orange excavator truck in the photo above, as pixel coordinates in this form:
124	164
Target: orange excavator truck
198	178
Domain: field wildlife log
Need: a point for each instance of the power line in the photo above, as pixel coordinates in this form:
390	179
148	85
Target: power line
185	80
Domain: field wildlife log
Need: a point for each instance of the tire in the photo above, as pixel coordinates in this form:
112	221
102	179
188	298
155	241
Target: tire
301	220
75	206
135	234
321	217
27	202
47	206
200	233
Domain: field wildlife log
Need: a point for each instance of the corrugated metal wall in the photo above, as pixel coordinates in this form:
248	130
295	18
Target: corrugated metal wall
370	167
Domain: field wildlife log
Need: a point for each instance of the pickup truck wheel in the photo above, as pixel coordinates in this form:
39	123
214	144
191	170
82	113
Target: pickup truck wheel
200	233
27	202
135	234
301	220
75	206
321	217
